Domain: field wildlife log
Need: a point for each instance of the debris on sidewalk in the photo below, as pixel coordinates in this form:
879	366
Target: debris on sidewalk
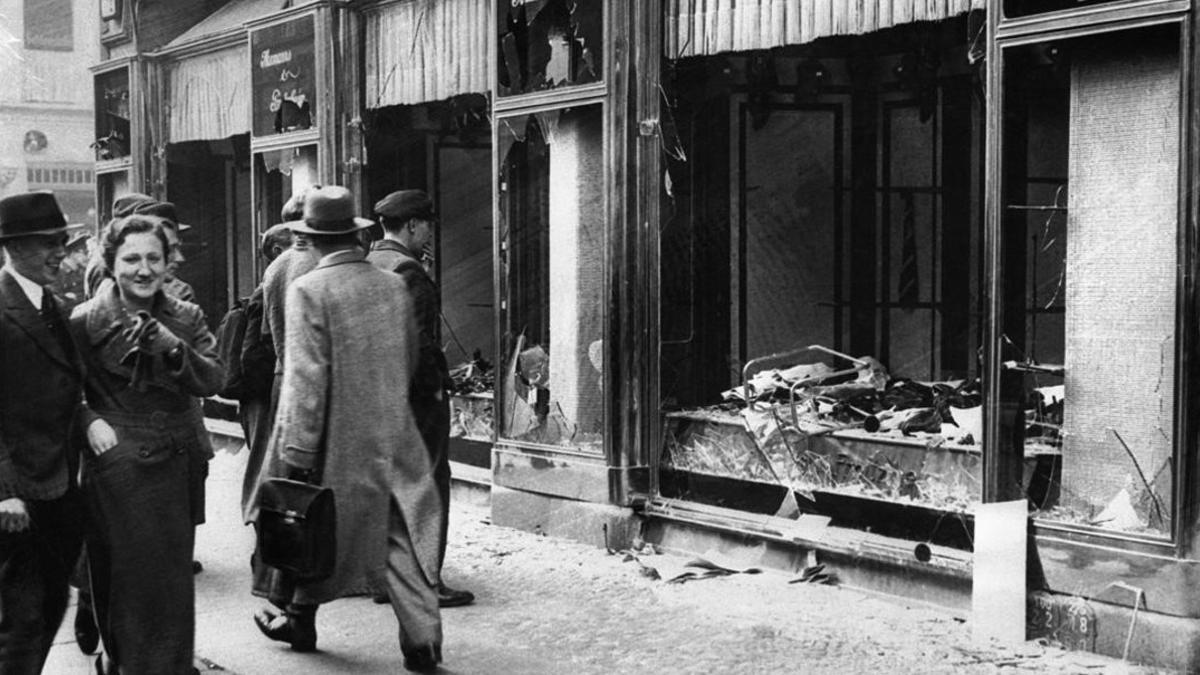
816	574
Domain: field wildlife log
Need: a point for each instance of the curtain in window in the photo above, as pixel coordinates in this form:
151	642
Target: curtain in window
209	96
426	50
704	27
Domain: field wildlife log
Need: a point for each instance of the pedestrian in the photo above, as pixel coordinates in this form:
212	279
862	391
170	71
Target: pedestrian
69	287
289	265
149	356
344	422
41	408
256	411
409	225
141	204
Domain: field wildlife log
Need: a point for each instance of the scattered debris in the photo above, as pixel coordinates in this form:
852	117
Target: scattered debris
816	574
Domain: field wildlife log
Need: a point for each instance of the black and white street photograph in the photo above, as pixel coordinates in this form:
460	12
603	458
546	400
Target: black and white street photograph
599	337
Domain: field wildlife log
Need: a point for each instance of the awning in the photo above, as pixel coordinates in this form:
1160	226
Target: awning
705	27
426	50
208	95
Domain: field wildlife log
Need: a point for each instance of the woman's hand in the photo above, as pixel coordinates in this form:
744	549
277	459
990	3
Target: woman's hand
101	436
155	338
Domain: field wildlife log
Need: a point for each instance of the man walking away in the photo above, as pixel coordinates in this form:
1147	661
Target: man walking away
344	422
409	224
41	394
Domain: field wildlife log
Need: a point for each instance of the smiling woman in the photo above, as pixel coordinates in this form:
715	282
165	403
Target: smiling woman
149	356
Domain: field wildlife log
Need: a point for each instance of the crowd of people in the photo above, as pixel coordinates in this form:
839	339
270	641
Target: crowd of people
103	450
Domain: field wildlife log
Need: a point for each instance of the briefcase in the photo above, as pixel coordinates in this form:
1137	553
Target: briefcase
297	528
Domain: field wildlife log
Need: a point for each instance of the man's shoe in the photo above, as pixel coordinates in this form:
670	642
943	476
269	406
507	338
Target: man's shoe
297	628
87	636
423	659
449	597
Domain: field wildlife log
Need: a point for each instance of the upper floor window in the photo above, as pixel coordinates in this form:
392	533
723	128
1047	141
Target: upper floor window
49	25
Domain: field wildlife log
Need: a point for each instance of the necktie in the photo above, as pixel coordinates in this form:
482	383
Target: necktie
54	322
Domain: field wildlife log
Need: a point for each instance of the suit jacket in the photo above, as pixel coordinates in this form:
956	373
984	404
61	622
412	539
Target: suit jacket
351	345
41	399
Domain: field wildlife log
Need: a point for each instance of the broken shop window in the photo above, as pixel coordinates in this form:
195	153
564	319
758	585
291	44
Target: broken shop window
552	228
548	44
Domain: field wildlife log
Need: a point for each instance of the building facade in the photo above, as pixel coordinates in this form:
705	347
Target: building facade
812	276
46	47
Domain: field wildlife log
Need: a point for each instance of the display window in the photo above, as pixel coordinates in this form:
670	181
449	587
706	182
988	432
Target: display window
820	271
279	174
552	274
444	148
109	186
112	115
548	44
1090	238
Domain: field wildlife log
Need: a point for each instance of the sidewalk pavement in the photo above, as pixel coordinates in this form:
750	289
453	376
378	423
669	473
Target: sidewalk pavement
549	606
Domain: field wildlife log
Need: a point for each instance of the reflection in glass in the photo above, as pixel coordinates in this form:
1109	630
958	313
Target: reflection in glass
552	218
547	44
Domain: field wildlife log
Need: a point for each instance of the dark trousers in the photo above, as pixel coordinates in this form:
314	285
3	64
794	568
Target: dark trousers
35	570
433	423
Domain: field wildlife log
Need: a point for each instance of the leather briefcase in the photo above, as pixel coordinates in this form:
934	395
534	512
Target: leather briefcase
297	528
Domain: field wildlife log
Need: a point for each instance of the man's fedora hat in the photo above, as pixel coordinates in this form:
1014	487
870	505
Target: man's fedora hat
145	205
330	210
404	205
31	213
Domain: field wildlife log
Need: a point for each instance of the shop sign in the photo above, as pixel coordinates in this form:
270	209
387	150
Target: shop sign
284	81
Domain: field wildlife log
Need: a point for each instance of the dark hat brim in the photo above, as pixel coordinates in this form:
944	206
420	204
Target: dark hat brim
50	231
356	224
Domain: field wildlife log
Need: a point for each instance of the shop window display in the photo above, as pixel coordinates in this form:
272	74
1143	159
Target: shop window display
552	214
821	270
112	119
822	278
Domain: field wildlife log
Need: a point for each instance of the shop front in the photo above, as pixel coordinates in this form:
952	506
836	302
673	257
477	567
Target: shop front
426	126
861	270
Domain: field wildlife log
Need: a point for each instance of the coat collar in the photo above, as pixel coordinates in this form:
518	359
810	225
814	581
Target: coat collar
349	255
392	245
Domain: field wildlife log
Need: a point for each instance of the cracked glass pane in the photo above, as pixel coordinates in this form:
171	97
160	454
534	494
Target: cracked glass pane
552	209
547	44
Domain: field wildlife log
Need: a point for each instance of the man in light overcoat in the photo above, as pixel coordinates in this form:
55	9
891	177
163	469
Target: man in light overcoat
344	421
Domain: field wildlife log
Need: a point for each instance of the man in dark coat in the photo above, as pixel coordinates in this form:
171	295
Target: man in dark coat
409	224
41	407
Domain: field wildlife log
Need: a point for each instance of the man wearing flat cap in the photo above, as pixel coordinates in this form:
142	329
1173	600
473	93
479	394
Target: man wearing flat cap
409	223
344	421
41	409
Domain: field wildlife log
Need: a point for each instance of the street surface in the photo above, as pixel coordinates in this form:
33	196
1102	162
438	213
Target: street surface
549	606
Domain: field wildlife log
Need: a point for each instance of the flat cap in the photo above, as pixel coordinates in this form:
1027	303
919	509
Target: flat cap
405	205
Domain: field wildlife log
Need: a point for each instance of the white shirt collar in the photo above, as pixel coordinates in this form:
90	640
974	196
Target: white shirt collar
33	290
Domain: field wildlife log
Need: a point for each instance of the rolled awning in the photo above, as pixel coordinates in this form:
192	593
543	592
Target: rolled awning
209	95
705	27
426	50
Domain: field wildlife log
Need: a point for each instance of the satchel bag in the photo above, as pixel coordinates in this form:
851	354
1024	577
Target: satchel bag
297	528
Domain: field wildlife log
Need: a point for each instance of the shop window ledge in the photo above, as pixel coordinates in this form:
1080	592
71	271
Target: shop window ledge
813	532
